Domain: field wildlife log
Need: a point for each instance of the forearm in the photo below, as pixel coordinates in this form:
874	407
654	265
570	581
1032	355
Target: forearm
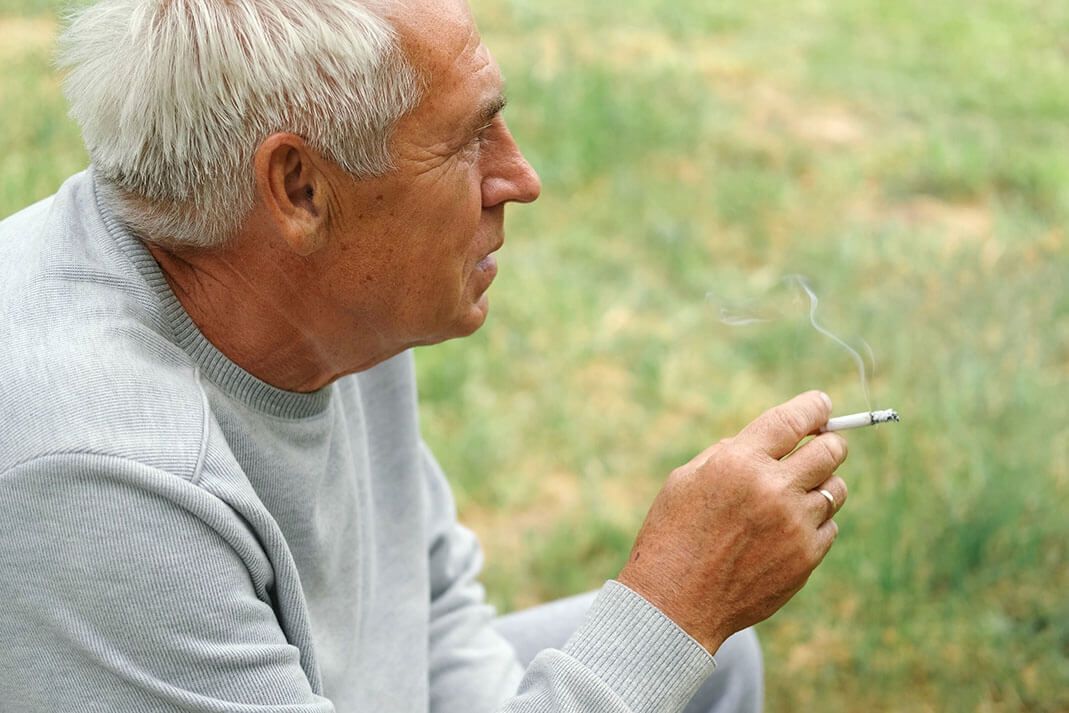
626	657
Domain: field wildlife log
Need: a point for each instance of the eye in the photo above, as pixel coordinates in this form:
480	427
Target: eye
486	133
482	135
475	144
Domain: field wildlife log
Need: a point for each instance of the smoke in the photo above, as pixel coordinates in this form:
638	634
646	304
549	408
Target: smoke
803	284
750	314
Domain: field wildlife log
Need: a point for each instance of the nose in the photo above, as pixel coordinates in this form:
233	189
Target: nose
507	176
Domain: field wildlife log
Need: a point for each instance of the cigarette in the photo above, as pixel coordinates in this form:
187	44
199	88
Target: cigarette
860	420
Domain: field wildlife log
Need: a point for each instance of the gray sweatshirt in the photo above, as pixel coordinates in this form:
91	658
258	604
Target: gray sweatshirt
177	535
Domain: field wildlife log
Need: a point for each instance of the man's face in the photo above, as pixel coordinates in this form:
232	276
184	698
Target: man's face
417	242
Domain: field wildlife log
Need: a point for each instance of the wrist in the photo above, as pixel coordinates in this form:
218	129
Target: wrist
642	655
699	625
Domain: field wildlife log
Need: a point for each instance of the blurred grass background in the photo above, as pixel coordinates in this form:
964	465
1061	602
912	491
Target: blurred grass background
912	159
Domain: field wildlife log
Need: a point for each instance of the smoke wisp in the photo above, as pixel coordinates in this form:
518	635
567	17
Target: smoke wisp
750	314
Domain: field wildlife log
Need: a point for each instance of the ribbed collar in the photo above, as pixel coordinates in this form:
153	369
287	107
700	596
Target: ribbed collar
214	365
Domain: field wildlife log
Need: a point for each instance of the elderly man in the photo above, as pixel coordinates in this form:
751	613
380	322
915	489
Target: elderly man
213	491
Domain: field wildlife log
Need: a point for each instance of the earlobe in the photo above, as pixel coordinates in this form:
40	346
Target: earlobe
306	237
307	227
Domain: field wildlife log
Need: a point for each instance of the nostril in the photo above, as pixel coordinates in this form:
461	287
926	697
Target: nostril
522	188
532	184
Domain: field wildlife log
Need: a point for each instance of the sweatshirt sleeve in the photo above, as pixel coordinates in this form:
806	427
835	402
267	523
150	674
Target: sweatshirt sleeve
471	667
128	589
626	657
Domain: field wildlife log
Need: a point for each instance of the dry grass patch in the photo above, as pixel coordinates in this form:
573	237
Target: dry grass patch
20	36
559	50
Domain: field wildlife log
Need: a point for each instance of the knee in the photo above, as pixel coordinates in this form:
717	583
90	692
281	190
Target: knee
740	657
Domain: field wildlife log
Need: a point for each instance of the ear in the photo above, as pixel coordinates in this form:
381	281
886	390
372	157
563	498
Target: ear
293	189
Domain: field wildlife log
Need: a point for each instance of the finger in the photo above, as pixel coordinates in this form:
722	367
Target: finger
778	430
813	463
826	535
824	507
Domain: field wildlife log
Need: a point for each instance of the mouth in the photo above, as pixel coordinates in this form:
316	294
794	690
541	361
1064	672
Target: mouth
486	268
488	265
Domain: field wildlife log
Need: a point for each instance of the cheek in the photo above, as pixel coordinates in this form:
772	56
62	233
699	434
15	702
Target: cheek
470	195
449	216
464	217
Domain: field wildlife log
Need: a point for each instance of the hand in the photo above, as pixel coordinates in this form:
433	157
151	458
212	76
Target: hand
736	532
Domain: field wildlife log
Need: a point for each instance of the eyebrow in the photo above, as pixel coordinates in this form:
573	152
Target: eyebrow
487	112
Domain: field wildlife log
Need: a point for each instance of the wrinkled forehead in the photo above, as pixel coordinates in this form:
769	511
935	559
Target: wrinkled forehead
439	37
460	78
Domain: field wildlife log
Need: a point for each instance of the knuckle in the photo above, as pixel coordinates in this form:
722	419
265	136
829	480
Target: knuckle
811	555
791	420
814	553
792	526
819	405
824	544
730	459
677	477
770	491
833	535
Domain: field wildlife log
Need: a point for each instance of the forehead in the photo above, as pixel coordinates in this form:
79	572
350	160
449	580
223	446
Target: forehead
443	44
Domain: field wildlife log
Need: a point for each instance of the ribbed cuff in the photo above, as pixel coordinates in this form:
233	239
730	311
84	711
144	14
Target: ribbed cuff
641	654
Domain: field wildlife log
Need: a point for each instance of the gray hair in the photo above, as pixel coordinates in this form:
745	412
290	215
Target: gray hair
174	96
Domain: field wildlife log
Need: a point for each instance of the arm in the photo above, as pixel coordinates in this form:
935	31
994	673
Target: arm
731	537
127	589
627	656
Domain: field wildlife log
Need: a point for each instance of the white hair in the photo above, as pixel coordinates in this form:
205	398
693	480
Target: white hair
174	96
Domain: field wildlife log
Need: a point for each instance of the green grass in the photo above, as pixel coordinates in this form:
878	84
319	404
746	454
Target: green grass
910	158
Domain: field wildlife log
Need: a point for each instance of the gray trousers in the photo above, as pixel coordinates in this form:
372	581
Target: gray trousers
737	685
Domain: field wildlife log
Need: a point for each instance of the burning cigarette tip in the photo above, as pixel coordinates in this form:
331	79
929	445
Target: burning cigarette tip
860	420
884	416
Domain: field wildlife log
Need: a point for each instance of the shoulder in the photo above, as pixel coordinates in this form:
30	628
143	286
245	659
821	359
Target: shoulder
100	384
86	365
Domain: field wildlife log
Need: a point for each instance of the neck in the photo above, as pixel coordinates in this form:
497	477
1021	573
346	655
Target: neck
257	303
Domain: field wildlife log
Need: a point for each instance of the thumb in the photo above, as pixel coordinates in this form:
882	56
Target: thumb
778	430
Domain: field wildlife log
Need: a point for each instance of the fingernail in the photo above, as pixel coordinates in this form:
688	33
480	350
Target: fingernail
827	400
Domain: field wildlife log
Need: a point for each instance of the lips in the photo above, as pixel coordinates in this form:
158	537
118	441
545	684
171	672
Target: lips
489	263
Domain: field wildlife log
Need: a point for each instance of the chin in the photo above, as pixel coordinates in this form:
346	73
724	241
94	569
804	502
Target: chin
464	325
475	318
